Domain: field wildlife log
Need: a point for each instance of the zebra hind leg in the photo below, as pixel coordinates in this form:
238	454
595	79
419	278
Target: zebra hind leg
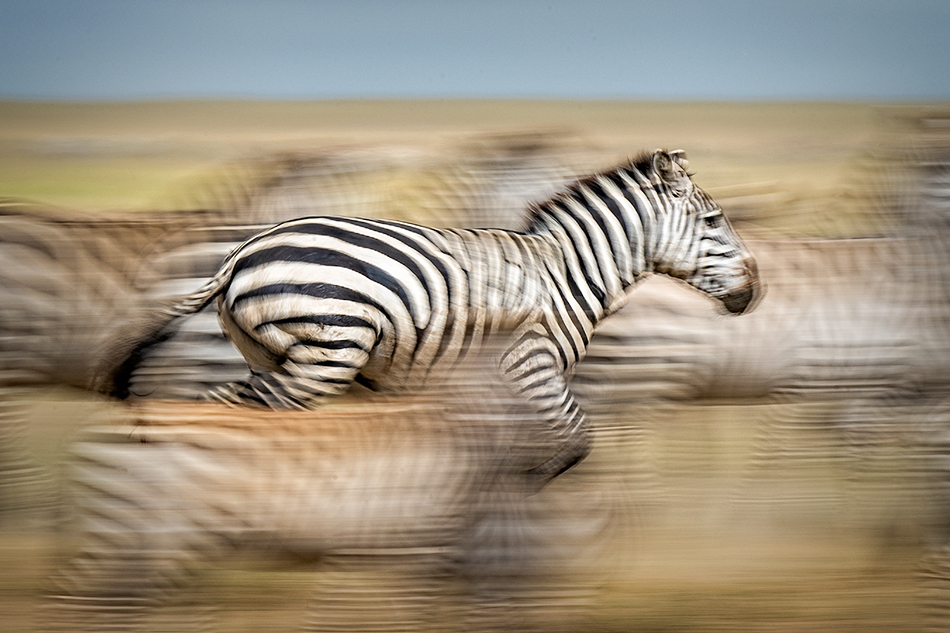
298	363
293	386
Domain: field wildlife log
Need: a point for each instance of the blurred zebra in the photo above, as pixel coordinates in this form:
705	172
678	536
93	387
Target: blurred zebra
411	509
317	303
66	279
845	318
66	282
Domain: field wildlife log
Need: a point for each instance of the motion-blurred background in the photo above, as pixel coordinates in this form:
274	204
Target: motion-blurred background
782	471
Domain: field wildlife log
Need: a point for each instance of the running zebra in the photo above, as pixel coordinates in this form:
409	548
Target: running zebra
317	303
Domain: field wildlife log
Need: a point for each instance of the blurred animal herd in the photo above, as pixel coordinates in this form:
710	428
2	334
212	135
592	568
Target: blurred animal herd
802	450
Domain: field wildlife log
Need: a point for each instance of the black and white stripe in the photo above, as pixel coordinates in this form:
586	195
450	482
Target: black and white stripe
317	303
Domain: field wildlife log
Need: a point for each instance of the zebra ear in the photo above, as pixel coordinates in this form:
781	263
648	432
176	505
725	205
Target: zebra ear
663	165
679	157
669	169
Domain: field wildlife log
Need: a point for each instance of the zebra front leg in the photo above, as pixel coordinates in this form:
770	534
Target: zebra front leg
534	368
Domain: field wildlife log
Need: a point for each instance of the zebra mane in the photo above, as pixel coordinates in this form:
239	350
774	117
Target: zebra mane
641	162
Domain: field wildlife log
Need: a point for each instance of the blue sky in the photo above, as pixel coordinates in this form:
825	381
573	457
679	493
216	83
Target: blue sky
688	49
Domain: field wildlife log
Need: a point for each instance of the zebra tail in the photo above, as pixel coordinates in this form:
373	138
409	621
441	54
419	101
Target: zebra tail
126	351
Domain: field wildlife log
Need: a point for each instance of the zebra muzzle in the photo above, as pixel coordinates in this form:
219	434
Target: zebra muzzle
740	301
746	297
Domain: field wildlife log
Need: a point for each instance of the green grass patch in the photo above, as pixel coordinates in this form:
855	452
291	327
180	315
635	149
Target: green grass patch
96	184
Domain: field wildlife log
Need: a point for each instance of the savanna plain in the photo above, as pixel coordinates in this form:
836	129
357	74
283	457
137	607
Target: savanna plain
733	522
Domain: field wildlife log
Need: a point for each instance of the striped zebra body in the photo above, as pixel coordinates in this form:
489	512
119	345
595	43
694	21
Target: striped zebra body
316	303
392	301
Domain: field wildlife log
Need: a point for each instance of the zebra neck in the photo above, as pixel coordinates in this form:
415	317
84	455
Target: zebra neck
604	228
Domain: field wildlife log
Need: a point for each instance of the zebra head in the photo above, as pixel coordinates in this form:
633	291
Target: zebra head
694	240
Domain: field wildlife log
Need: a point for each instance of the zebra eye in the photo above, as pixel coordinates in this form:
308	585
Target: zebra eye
712	221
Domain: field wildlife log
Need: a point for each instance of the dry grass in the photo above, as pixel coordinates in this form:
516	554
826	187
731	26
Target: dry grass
723	537
135	155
